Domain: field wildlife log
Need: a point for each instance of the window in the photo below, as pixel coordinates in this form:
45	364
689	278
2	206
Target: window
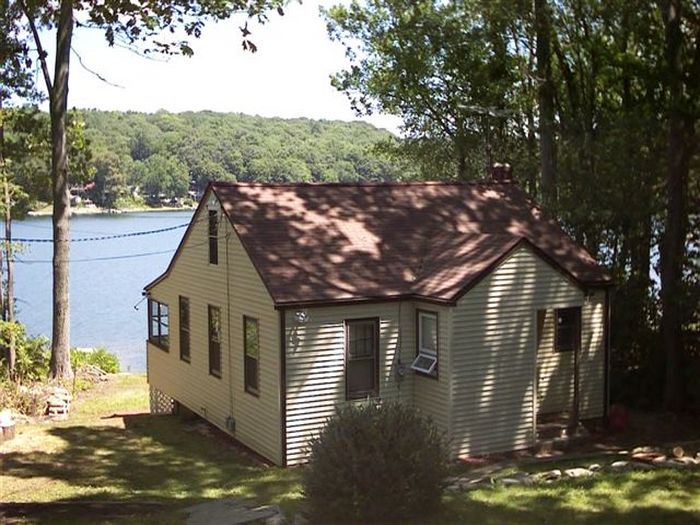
213	238
215	341
426	360
361	358
185	329
251	345
568	329
158	324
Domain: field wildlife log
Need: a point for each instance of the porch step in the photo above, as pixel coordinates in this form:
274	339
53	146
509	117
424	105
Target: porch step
556	437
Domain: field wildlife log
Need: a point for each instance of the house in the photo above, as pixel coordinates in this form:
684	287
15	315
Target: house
461	299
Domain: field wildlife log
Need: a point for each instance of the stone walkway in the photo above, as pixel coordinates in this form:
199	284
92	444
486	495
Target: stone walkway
235	511
641	458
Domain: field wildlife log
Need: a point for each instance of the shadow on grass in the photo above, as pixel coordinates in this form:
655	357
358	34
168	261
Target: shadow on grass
157	460
662	496
150	470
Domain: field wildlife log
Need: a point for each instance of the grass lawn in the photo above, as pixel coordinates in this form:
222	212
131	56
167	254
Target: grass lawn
111	450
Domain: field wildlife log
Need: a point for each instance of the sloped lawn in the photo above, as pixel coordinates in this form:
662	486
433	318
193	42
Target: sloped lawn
111	461
635	498
112	449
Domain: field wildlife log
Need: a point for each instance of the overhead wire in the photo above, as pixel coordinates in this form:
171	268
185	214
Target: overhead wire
111	237
26	240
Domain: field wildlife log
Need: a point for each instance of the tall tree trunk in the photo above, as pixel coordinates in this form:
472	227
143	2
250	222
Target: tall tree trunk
3	314
673	241
10	301
10	350
60	344
545	95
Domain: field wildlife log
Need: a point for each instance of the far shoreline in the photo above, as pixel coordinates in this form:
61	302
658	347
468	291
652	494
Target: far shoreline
48	211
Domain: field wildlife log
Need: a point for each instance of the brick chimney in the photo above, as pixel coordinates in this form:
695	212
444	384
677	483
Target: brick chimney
501	172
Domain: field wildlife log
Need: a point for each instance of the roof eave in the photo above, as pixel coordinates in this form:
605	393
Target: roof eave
317	303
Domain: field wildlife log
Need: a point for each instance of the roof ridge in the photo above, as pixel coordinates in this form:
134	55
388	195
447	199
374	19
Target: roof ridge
360	184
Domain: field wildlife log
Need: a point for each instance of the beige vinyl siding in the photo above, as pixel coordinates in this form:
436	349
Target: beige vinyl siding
592	366
316	365
431	395
494	353
257	418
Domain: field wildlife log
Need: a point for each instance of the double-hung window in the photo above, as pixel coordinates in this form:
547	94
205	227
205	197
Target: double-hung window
426	361
184	329
213	237
214	341
158	324
361	358
567	336
251	345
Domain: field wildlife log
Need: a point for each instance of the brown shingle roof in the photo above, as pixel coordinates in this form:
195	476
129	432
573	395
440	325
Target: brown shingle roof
318	243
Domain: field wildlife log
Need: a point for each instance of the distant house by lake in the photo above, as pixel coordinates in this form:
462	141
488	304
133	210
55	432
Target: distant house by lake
462	300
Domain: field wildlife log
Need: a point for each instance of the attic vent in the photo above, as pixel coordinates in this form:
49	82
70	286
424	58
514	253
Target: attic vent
213	202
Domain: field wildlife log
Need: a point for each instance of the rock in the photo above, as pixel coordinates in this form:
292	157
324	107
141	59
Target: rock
477	483
511	481
644	450
687	461
231	511
546	477
659	460
552	474
454	487
619	465
647	457
519	478
578	472
678	452
595	467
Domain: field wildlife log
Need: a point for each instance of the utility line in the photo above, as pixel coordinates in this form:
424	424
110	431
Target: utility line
91	259
107	258
114	257
97	238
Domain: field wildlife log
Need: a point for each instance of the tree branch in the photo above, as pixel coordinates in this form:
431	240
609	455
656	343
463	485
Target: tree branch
39	47
91	71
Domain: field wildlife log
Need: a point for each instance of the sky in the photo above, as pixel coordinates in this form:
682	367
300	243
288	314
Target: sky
288	77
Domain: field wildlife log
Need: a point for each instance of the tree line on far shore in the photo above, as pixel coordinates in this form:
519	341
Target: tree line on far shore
129	158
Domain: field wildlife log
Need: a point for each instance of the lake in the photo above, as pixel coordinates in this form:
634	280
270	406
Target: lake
107	278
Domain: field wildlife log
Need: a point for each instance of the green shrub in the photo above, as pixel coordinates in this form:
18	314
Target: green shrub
376	464
32	354
30	401
99	357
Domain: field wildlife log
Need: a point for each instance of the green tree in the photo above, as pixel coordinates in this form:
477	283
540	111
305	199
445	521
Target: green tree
141	23
15	82
159	175
682	78
445	68
110	182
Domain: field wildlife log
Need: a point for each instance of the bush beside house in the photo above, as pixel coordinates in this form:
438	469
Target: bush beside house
376	463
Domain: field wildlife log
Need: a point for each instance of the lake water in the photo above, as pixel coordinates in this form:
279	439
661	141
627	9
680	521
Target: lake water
107	278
